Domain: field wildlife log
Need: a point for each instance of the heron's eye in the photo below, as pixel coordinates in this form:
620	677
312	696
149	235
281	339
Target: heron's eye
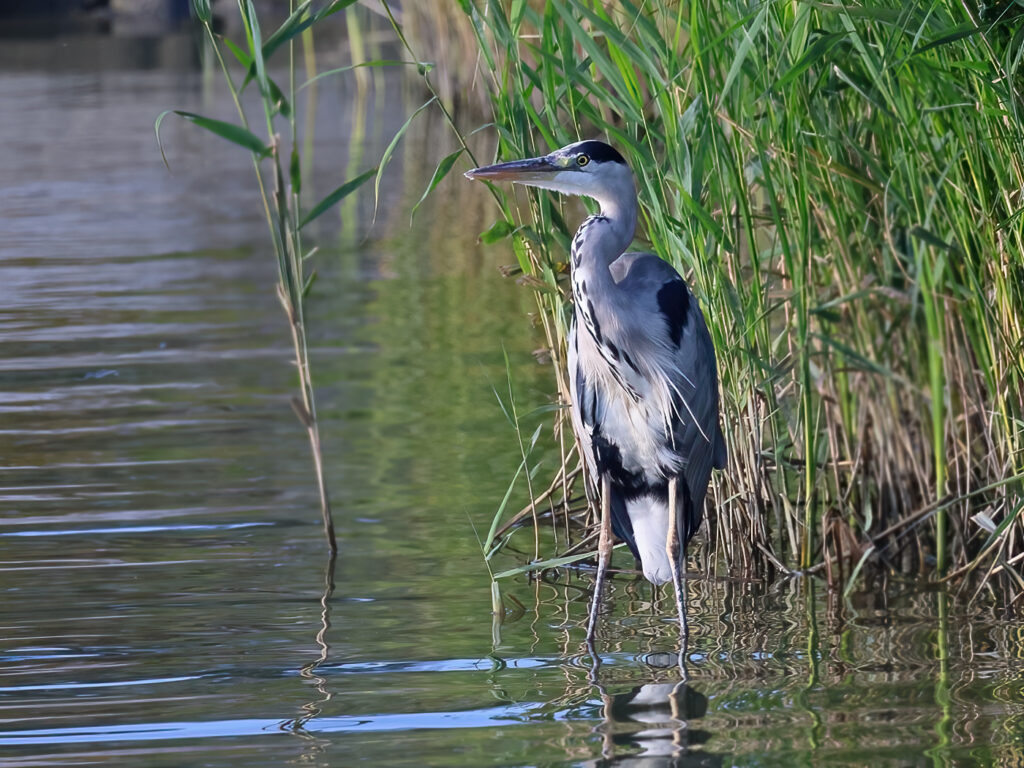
582	160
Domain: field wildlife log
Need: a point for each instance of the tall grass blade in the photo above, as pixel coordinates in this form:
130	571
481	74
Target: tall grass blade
390	150
338	195
361	64
233	133
440	172
554	562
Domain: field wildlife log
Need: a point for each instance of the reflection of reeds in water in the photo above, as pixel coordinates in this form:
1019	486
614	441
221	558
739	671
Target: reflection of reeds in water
280	190
281	200
782	667
845	201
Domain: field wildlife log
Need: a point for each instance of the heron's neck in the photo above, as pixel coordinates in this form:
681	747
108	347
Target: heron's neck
601	239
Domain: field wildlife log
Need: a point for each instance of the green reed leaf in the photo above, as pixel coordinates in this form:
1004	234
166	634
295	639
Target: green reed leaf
377	63
386	157
499	230
201	10
338	195
440	172
236	134
243	58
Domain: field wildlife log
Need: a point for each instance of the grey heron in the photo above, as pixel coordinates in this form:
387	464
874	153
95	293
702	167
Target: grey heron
642	372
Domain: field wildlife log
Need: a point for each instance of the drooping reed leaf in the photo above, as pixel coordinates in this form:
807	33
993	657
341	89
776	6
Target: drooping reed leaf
338	195
233	133
440	172
554	562
389	151
243	58
350	67
499	230
278	99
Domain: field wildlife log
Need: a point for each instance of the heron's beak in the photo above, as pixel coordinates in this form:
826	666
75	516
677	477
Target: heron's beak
522	171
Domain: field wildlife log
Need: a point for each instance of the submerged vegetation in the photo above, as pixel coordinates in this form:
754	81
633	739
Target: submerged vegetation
842	185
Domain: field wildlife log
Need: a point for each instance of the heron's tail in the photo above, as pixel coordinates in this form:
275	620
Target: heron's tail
648	515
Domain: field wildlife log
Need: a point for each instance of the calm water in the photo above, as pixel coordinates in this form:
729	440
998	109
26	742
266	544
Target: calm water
161	567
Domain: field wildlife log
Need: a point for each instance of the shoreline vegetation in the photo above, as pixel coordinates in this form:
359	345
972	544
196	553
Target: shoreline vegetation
842	186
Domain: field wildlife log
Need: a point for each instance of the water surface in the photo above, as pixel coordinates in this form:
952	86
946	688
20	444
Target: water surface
163	575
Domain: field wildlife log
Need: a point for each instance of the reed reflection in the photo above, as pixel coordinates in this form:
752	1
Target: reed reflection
309	671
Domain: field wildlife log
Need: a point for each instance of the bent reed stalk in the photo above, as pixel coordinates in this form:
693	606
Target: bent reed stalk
282	204
842	186
281	200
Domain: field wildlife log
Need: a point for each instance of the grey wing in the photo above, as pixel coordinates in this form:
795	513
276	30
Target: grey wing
696	430
687	361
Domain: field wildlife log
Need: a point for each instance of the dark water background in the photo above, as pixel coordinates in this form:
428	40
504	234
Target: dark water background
161	566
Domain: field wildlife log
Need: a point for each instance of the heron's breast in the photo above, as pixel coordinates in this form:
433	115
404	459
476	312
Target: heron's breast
632	403
638	430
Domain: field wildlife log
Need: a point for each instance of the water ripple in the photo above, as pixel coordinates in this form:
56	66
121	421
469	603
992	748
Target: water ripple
140	529
479	718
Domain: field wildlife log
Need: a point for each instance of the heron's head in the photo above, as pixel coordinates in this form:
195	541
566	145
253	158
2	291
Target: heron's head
589	168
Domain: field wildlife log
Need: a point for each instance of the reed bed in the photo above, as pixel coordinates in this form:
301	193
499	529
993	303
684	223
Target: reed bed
842	185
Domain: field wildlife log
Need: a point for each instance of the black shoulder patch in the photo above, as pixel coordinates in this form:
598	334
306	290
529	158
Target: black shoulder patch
600	152
674	303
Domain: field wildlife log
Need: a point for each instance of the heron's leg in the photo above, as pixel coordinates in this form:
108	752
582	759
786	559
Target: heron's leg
604	553
673	547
